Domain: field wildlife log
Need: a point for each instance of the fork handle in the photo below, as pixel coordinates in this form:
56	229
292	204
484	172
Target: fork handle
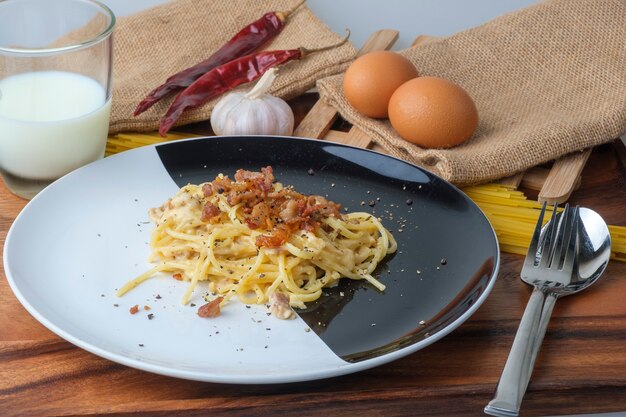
519	365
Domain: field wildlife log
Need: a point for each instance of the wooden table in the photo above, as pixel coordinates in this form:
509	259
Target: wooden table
581	368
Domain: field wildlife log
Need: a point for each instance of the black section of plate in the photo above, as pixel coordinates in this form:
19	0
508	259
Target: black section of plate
447	250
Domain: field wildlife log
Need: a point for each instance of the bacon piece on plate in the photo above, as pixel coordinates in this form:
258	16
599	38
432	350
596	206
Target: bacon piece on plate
211	309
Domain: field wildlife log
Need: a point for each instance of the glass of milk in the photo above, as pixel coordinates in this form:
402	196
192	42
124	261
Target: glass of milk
55	89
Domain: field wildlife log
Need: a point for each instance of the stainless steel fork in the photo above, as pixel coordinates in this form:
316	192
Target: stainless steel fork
548	266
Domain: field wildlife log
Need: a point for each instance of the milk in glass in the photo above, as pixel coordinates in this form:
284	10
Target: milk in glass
51	122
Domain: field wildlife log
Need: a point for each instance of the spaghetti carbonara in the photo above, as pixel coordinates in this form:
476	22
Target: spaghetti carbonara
263	242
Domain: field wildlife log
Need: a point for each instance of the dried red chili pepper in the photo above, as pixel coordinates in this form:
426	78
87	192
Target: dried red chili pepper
246	41
230	75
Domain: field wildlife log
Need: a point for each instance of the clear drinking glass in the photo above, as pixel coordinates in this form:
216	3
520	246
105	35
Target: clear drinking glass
55	89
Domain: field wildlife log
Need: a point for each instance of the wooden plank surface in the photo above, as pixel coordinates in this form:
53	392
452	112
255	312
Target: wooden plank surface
580	369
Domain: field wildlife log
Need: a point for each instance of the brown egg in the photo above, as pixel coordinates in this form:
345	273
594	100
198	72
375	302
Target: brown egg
433	112
371	79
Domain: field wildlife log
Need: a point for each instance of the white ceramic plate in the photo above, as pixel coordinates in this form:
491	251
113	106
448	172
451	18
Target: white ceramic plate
85	235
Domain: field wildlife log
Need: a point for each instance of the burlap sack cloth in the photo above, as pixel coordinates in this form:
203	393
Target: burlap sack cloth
154	44
547	81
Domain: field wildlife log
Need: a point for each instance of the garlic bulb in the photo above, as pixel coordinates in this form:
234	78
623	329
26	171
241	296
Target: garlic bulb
253	113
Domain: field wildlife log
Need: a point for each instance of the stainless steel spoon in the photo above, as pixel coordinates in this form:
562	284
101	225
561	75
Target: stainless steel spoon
592	257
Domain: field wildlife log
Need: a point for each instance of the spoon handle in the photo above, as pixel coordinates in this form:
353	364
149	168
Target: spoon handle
519	365
548	306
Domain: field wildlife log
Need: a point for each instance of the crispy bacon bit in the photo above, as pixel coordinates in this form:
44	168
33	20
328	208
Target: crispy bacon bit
207	189
222	184
211	309
248	196
262	180
244	175
289	210
279	306
134	309
219	185
318	207
279	236
259	216
209	212
178	277
279	212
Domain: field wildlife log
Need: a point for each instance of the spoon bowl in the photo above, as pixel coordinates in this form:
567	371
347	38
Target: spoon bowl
594	250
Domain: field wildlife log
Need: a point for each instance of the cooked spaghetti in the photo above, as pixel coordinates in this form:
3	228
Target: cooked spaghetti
262	241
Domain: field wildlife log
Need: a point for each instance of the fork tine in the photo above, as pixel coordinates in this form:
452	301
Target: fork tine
548	249
572	239
534	242
562	236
